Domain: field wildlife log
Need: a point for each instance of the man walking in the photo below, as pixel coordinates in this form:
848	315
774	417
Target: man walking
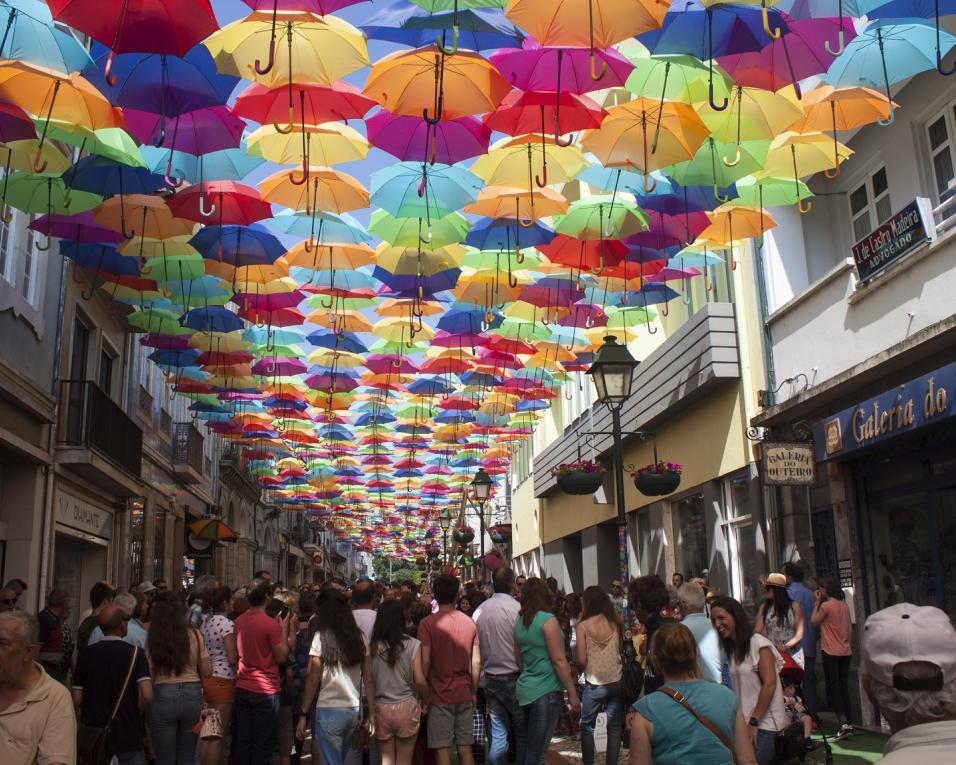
56	642
101	595
495	620
364	595
909	672
451	659
692	601
135	633
36	713
802	594
101	674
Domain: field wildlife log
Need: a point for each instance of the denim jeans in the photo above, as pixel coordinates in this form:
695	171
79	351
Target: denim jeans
256	727
594	700
333	730
540	718
766	747
175	709
504	715
809	686
131	758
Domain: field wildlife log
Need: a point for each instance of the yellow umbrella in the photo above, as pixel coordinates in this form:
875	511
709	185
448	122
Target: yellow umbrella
515	161
425	81
326	357
329	257
297	47
346	321
524	204
401	307
647	135
174	247
329	144
410	260
141	215
20	155
322	189
395	328
731	223
802	154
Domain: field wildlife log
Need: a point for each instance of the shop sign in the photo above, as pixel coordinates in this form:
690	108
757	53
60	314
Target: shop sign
788	464
904	232
923	401
845	567
82	515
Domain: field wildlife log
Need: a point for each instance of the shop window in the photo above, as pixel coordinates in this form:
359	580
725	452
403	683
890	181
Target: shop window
136	528
939	136
745	561
870	204
691	536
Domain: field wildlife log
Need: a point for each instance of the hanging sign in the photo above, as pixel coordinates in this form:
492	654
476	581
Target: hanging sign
905	231
788	464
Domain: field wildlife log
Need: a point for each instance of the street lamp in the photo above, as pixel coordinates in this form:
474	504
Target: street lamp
613	373
481	484
444	522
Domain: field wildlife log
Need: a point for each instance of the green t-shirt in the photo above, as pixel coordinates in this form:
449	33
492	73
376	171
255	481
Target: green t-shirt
538	676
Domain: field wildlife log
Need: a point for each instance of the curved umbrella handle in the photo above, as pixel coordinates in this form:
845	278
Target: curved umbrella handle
512	280
270	62
718	196
939	66
526	223
422	185
734	161
108	70
828	173
329	304
202	207
841	42
649	187
427	238
309	244
43	247
439	107
892	116
710	95
286	129
542	180
162	134
600	269
558	141
596	75
440	42
39	164
773	34
804	206
305	173
172	181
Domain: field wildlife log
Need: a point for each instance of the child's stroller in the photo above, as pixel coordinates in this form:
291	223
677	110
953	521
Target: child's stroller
793	674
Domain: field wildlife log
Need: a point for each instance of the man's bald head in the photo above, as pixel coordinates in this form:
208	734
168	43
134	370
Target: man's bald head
363	593
112	620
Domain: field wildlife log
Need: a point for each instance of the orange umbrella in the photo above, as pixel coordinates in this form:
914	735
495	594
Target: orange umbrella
731	223
323	189
149	217
524	204
328	257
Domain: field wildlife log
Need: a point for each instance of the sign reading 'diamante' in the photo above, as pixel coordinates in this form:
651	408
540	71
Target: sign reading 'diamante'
902	233
923	401
82	515
788	464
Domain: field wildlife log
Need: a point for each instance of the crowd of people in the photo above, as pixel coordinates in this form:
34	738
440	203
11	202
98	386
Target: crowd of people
406	674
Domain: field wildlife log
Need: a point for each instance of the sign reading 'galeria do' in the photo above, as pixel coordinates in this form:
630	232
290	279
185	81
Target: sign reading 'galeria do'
788	464
901	234
920	402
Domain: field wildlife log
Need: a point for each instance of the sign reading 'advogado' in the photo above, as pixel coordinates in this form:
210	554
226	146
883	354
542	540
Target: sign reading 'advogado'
788	464
901	234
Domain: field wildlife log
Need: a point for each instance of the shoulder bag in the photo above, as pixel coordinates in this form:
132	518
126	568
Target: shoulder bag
92	741
363	731
632	673
706	722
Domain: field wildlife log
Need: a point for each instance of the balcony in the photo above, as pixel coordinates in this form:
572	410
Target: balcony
188	455
97	439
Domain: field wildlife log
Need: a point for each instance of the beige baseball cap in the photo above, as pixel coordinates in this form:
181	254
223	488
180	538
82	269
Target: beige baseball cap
905	633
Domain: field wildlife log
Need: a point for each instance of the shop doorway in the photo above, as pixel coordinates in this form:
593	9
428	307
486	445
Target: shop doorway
78	564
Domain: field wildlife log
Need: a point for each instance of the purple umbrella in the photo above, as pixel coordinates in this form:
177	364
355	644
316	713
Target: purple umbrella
412	138
197	132
77	228
534	67
15	124
795	55
279	366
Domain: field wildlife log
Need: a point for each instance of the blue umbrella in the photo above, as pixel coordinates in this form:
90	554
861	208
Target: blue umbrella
716	30
29	35
169	357
222	165
894	48
503	234
415	190
106	177
914	9
467	321
477	29
238	245
413	285
100	258
212	319
429	386
673	199
332	340
325	227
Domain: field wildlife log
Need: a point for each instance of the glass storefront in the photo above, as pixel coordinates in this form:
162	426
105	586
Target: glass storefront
136	536
691	535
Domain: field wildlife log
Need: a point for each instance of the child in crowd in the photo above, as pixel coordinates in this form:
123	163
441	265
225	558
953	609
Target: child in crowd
798	713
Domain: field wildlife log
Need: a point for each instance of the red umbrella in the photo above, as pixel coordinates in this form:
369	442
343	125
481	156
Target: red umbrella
139	26
279	317
584	255
220	202
529	111
311	104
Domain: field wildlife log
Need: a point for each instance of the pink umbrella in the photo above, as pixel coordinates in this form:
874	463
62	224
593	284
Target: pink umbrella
534	67
77	228
412	138
278	367
197	132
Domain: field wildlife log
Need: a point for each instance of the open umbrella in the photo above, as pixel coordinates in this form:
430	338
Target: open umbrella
559	68
29	36
413	138
220	202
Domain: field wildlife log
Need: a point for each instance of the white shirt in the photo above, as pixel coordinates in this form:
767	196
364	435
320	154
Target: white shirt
495	619
365	619
341	685
745	680
708	645
927	744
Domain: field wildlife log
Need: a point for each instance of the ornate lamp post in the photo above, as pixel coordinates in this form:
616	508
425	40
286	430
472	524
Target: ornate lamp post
481	485
444	522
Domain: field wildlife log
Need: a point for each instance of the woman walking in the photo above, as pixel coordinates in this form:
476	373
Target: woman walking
178	661
401	691
545	673
780	619
664	731
754	666
218	633
338	665
831	614
598	645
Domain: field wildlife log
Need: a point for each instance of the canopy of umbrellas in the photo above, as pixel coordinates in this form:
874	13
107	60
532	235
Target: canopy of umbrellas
366	373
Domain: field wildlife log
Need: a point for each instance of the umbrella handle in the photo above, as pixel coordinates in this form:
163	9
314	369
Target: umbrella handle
542	180
202	207
329	304
172	181
426	239
804	206
309	243
39	164
108	70
649	187
892	115
710	94
286	129
841	42
512	280
828	173
270	62
735	161
718	196
526	223
42	247
305	173
558	141
773	34
596	75
440	42
439	107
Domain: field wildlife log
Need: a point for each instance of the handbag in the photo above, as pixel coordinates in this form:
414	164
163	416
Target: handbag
210	724
363	731
92	741
790	742
632	673
706	722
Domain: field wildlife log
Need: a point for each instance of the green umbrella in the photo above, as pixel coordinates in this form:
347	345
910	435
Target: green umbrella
604	216
409	232
770	192
112	143
672	77
707	168
179	268
519	329
501	260
45	194
628	316
159	321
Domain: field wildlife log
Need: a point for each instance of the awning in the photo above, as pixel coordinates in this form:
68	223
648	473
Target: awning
298	552
212	528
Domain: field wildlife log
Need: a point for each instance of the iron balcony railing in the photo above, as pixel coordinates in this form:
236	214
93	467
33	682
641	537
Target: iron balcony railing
187	446
90	419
